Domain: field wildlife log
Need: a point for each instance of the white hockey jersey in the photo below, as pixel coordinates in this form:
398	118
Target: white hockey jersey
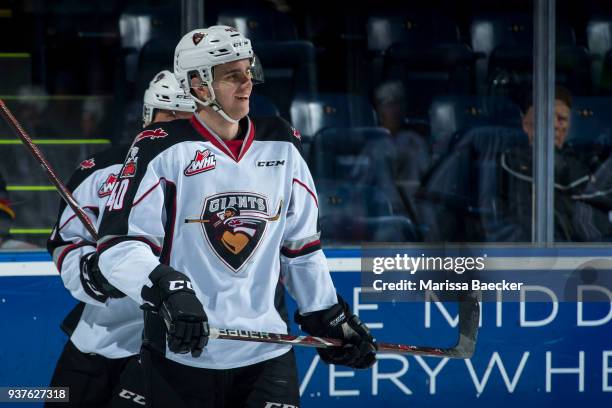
238	226
112	329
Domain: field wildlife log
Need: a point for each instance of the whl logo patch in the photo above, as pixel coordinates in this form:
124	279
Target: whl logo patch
107	187
203	161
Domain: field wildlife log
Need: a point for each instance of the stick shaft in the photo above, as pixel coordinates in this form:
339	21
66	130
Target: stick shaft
323	342
469	316
38	155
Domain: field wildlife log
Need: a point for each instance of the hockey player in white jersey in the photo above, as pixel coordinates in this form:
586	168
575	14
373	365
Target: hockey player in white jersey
106	327
190	232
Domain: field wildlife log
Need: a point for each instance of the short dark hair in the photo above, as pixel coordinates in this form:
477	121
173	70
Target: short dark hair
525	99
564	95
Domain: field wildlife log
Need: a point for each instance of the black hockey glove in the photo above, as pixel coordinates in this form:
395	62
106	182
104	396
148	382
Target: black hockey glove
184	317
359	350
94	283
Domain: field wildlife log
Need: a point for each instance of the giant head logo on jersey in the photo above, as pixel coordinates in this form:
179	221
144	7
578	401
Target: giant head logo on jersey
233	224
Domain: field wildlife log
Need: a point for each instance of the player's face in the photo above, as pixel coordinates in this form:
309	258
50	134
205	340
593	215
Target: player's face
233	85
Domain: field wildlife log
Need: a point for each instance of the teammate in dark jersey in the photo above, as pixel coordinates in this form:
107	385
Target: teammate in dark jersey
188	274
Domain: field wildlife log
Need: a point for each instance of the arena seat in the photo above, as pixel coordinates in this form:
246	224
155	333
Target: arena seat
311	115
590	121
424	52
261	106
451	113
599	40
504	43
138	25
260	25
336	152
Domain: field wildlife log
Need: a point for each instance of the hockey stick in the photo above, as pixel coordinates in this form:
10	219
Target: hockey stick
272	218
469	316
61	189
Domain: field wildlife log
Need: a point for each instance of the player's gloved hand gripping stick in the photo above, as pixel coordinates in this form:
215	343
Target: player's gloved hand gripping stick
172	306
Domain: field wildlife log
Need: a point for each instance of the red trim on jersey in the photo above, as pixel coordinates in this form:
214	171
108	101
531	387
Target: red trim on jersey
209	137
69	248
314	197
296	251
103	247
88	207
234	146
216	141
135	203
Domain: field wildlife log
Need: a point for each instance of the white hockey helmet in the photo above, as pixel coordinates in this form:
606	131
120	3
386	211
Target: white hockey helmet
202	49
164	92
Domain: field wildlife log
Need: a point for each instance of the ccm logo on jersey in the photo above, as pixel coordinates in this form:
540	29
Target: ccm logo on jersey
180	284
270	163
129	395
151	134
107	187
278	405
204	160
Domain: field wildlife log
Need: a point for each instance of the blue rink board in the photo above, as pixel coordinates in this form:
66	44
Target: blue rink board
32	307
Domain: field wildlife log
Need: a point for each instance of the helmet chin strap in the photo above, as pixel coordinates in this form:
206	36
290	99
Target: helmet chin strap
212	102
217	108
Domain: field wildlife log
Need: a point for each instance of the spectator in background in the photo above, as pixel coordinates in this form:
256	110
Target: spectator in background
400	161
562	113
412	154
7	216
581	208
